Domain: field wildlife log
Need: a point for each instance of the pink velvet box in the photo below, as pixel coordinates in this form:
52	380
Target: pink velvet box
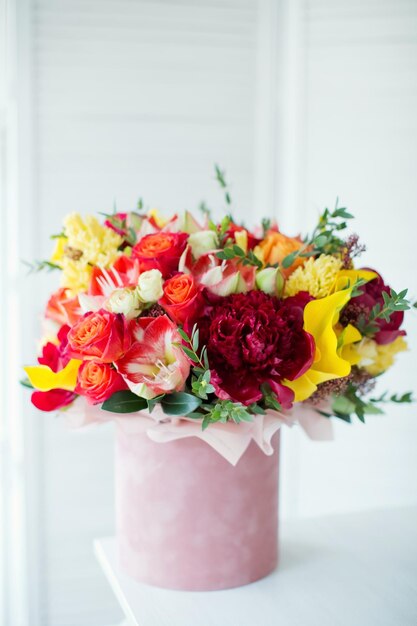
187	519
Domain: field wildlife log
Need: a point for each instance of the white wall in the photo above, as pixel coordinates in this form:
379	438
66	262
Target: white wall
357	69
130	98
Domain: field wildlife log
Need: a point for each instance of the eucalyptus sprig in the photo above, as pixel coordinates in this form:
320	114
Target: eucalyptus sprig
270	398
323	239
348	404
236	252
205	210
393	302
405	398
224	411
40	266
220	177
200	381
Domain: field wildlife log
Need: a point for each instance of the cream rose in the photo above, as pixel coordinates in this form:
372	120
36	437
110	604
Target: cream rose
124	301
149	287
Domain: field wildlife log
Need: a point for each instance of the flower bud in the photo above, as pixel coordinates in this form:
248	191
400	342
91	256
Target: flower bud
203	242
270	281
149	287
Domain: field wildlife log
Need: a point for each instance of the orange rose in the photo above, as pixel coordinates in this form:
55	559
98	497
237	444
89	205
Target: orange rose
98	381
275	247
160	251
182	298
63	308
101	336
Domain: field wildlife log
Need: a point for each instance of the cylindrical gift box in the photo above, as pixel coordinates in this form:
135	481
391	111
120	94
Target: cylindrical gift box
187	519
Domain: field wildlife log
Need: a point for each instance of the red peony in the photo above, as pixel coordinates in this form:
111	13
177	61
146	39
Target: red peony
161	251
371	295
100	336
255	338
54	356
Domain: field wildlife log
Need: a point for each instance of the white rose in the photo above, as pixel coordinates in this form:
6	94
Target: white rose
203	242
270	280
149	287
124	301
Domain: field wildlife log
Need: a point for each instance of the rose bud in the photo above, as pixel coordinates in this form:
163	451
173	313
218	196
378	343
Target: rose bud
149	287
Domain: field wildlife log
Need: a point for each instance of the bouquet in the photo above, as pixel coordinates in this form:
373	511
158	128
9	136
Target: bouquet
213	321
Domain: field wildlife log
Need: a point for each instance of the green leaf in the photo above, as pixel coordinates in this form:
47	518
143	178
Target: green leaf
180	403
184	335
343	405
195	343
39	266
124	402
25	382
190	353
154	401
288	260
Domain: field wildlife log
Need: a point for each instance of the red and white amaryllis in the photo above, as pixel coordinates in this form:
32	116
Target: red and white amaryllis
155	364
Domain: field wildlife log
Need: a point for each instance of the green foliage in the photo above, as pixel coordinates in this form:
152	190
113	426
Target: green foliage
266	225
205	210
393	302
40	266
25	382
124	402
405	398
270	398
348	404
224	411
324	238
235	252
179	403
201	385
220	177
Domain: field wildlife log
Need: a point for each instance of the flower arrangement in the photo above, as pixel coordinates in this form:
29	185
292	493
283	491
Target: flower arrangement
214	321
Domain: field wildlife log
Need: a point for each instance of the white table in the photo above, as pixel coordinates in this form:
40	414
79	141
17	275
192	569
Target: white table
352	570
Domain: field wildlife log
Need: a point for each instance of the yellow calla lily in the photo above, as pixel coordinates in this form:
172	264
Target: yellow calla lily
334	350
346	341
347	278
44	379
320	319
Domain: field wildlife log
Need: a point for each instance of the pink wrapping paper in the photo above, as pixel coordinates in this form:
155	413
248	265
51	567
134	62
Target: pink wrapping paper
188	519
230	439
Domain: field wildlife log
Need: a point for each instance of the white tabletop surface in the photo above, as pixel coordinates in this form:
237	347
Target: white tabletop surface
347	570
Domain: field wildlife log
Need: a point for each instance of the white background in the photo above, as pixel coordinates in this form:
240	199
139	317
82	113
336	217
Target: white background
109	100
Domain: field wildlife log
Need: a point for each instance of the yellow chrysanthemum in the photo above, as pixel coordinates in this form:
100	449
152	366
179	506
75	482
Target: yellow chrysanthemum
317	276
85	243
376	358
